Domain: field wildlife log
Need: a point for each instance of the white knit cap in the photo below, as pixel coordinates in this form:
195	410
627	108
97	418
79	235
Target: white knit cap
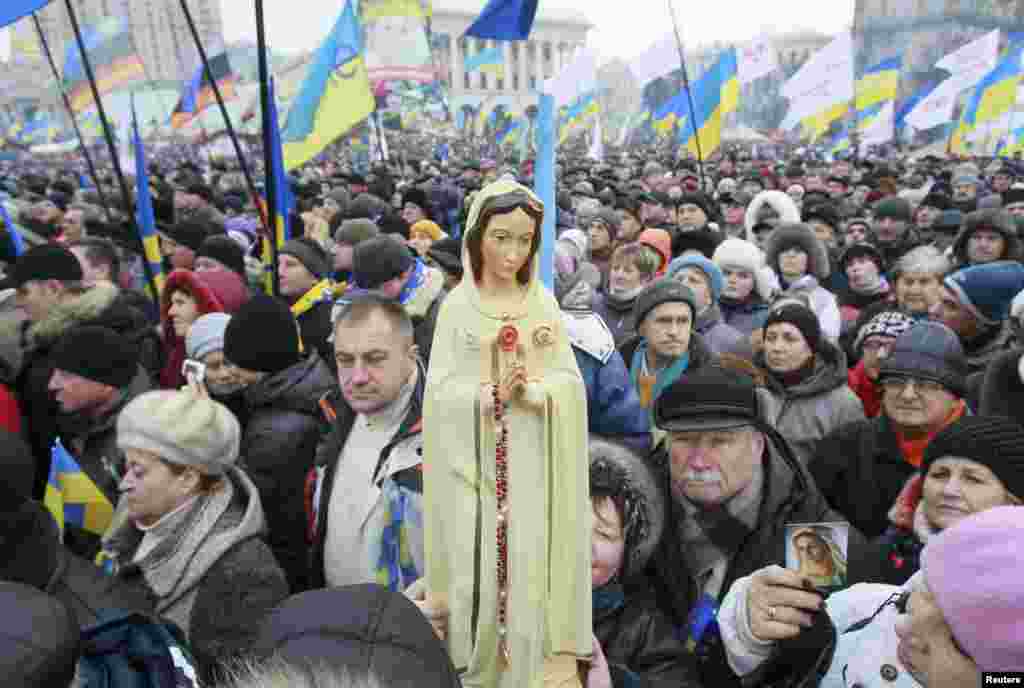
181	428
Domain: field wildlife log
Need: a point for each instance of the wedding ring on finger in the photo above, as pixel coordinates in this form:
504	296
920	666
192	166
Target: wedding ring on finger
771	613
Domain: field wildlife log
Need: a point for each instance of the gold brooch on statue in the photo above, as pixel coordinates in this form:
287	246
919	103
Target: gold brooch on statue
543	336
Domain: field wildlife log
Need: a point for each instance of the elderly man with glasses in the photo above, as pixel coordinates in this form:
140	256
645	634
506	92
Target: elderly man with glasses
862	467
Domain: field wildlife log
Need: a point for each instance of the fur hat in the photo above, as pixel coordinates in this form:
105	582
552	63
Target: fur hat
778	201
991	219
181	428
98	354
703	241
973	570
802	236
224	250
617	472
46	262
309	253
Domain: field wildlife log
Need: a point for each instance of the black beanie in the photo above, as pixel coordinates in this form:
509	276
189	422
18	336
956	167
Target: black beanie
190	233
97	353
225	250
377	260
992	441
262	336
799	316
45	263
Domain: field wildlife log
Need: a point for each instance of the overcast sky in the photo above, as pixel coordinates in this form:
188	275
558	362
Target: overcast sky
622	29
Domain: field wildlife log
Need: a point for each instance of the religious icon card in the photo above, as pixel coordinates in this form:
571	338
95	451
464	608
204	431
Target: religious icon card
818	552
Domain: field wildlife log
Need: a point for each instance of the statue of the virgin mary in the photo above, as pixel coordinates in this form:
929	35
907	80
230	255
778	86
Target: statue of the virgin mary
507	512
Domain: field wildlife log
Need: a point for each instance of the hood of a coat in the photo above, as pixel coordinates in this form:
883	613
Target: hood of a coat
296	388
86	307
615	469
365	628
830	372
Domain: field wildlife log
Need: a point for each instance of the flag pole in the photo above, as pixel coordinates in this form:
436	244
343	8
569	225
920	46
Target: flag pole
689	96
220	103
271	192
71	114
109	136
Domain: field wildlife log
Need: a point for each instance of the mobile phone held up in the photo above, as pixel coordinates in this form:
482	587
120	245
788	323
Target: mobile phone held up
194	371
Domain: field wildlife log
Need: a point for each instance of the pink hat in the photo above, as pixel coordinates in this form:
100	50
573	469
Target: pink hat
973	569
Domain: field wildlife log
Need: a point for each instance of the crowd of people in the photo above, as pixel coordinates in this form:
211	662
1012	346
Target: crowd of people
762	343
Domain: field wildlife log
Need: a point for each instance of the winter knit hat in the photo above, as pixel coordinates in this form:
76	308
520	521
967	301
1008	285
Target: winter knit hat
41	638
262	336
427	227
309	253
885	324
206	335
701	201
378	260
663	290
892	207
800	317
610	219
46	262
356	230
98	354
181	428
992	441
861	250
973	570
713	273
987	290
928	350
225	250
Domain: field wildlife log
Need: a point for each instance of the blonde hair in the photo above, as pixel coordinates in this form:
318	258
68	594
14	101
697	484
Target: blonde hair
279	673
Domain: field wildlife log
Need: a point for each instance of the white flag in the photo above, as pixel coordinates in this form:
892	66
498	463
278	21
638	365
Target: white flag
658	60
969	64
575	79
880	129
756	59
824	80
937	107
596	151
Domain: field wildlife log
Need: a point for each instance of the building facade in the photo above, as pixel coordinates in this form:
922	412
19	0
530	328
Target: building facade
554	39
158	27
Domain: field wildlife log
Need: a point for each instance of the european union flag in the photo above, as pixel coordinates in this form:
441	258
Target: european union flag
13	10
72	498
144	215
504	20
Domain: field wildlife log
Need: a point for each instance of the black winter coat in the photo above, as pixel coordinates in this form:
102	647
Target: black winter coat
861	470
315	327
103	305
278	448
790	496
637	638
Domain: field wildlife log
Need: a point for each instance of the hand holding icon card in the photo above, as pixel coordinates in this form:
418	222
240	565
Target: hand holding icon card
819	553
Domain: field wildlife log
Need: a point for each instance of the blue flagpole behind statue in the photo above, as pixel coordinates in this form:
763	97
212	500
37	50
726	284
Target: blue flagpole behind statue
544	185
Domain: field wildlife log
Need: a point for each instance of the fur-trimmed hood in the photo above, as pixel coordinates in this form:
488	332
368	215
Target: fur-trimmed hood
996	221
97	305
802	235
616	469
778	201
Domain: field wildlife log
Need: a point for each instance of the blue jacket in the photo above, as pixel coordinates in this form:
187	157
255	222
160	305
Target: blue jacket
613	407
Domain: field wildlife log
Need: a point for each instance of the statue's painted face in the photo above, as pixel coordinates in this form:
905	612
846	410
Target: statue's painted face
506	246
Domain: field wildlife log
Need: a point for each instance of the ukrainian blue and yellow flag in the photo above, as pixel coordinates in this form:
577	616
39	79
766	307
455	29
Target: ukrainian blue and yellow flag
283	199
488	61
144	216
715	95
815	126
879	84
577	113
13	231
72	498
994	96
335	95
669	113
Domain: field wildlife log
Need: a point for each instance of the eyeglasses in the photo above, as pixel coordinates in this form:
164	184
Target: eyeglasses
900	384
